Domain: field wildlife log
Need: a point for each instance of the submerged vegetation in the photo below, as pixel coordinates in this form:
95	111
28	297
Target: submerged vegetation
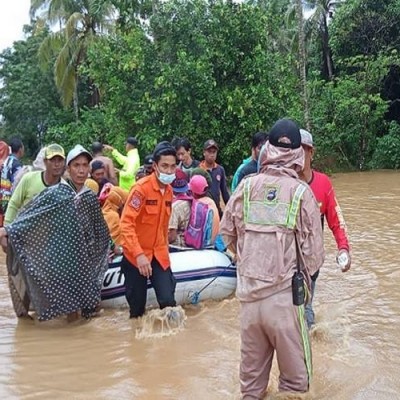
200	69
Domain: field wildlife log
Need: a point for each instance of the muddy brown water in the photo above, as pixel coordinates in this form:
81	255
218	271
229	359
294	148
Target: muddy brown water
356	345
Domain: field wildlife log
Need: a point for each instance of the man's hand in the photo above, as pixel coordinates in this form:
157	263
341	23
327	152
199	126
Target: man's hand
143	265
108	147
344	255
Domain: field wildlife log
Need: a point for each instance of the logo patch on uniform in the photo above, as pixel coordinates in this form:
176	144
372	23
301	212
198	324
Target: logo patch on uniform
218	177
271	193
168	203
137	200
151	202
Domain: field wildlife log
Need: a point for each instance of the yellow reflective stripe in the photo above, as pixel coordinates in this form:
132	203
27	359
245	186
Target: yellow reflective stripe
246	199
294	206
306	342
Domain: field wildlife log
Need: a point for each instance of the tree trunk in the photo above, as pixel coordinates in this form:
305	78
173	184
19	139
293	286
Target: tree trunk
327	53
303	61
76	102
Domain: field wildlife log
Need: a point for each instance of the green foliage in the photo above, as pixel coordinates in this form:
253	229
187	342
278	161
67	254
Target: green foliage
206	71
88	129
209	69
28	97
387	153
366	27
349	112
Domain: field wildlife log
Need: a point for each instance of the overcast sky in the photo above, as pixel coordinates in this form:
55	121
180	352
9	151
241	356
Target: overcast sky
14	14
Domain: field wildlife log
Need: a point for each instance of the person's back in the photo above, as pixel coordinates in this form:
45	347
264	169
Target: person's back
109	168
181	209
269	226
199	187
97	151
215	225
272	222
235	180
180	215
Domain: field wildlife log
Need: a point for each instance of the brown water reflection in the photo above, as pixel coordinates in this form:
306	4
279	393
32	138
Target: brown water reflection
356	345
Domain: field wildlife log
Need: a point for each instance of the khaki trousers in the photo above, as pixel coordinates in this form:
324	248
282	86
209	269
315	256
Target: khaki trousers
268	325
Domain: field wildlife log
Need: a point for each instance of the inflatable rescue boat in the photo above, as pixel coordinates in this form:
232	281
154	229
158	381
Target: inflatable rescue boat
200	275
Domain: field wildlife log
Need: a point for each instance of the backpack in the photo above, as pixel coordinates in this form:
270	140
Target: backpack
198	234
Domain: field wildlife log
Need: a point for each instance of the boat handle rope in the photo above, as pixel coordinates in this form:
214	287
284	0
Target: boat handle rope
195	297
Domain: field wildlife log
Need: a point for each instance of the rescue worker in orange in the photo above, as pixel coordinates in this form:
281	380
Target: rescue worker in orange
144	234
272	222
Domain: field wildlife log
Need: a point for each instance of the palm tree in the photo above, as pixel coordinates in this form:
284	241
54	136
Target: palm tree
318	24
80	22
303	62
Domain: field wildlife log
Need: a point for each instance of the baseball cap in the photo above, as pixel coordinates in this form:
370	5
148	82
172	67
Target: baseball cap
53	150
285	133
180	184
209	144
198	184
132	140
76	152
306	138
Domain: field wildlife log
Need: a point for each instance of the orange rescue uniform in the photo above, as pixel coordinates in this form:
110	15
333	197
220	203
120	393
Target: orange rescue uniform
144	221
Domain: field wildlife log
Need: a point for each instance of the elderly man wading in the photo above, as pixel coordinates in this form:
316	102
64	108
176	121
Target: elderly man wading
263	220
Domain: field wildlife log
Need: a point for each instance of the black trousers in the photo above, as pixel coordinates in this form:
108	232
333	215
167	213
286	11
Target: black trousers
136	287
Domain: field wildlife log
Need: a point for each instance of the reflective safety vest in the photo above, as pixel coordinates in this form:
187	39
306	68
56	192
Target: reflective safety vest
274	210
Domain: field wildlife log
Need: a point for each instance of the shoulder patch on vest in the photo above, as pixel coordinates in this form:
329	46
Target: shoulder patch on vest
137	200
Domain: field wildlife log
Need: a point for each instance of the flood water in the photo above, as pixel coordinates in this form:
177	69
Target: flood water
356	344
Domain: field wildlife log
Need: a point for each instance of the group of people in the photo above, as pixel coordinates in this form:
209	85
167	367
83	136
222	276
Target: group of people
272	221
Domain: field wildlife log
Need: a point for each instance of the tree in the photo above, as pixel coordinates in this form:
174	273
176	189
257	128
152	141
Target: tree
317	24
303	62
28	96
80	22
198	70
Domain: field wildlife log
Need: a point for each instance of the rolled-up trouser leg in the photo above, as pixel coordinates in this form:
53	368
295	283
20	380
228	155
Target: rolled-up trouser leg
289	335
309	307
256	351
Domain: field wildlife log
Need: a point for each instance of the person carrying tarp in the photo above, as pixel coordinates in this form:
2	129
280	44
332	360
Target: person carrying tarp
58	249
272	223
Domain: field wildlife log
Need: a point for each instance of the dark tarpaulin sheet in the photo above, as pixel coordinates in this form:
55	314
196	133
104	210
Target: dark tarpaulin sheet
58	253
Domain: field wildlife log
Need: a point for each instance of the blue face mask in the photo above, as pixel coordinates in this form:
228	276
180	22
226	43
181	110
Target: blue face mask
166	179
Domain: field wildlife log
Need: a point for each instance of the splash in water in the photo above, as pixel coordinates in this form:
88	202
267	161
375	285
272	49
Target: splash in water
160	323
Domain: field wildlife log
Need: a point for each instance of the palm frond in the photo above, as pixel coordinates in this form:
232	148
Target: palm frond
36	5
75	24
50	46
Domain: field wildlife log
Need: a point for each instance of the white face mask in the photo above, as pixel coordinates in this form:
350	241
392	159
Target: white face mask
165	179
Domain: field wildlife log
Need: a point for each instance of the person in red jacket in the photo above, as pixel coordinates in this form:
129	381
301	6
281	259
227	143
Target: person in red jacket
324	193
144	234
